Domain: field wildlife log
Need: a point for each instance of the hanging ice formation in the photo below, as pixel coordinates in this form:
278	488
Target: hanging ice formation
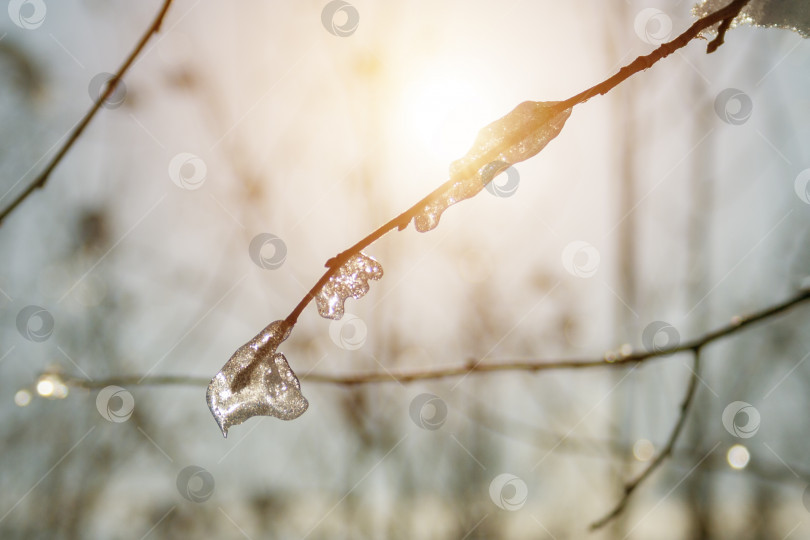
256	381
519	135
351	279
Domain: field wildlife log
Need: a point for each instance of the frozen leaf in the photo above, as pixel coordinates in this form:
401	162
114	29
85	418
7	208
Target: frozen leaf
351	279
256	381
516	137
789	14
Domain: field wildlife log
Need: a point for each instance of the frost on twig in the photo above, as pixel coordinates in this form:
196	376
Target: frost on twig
351	279
519	135
788	14
256	380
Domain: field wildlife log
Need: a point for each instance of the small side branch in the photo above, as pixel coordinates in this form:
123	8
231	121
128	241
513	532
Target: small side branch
43	177
665	453
722	29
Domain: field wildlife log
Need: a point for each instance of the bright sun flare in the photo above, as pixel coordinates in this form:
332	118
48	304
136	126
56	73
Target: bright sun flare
443	114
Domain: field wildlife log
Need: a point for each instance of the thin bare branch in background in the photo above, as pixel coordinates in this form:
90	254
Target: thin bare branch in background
665	453
738	324
111	85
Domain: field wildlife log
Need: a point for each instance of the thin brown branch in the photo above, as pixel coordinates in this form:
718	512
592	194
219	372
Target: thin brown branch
738	324
639	64
665	453
112	84
644	62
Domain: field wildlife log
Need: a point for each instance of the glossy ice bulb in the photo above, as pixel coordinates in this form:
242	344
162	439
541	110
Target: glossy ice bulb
351	279
519	135
256	381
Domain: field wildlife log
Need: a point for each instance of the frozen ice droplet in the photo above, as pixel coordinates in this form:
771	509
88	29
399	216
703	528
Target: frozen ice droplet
256	380
351	279
516	137
428	218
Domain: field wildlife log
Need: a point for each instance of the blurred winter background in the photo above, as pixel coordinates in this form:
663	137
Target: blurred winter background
316	122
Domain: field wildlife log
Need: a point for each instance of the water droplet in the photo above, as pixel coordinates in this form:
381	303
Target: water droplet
738	456
22	398
351	279
643	450
256	380
519	135
51	386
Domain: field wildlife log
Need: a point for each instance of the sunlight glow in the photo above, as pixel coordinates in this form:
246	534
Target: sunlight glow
443	113
738	457
51	386
45	388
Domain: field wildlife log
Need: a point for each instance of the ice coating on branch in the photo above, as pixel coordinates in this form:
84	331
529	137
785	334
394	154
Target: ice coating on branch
788	14
256	381
428	218
519	135
351	279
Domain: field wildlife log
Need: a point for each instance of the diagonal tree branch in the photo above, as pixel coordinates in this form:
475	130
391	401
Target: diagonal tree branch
112	84
639	64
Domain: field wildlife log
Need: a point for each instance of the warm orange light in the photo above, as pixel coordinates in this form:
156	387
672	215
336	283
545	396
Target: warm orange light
443	114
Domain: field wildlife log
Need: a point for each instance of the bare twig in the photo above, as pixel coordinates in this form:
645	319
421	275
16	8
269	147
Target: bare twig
665	453
643	62
112	84
738	324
